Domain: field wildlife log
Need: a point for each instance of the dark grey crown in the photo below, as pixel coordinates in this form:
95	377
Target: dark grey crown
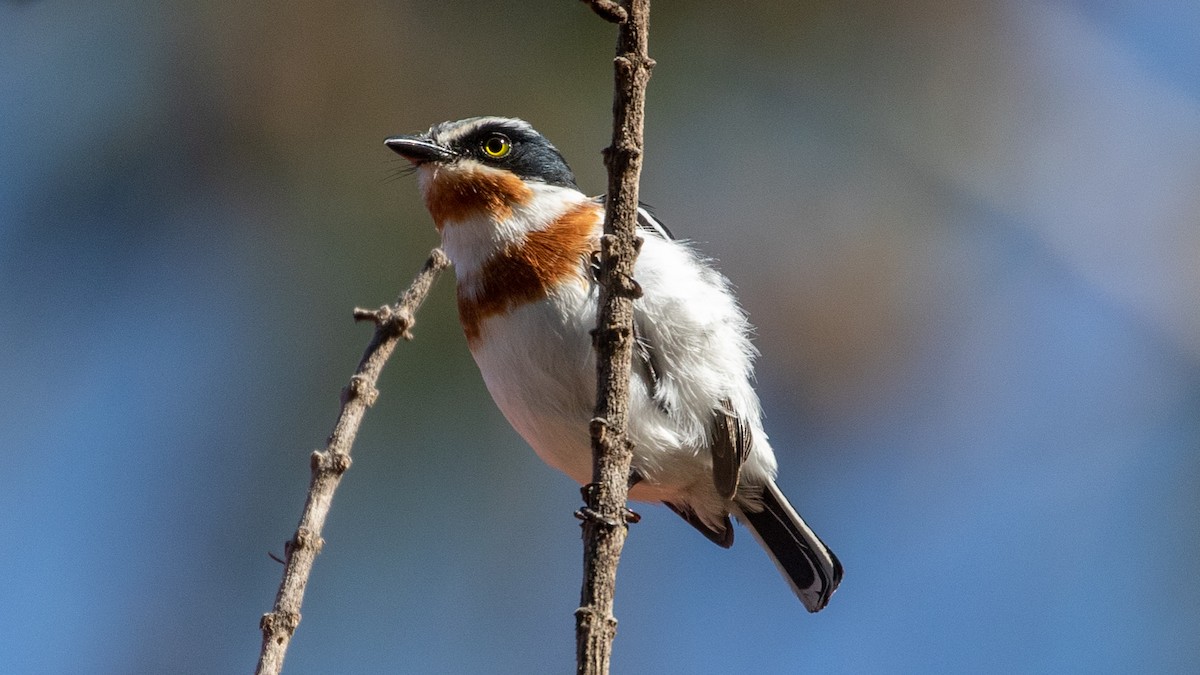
532	156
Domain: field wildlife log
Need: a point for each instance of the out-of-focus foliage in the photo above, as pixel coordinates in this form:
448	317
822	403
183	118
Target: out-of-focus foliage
967	233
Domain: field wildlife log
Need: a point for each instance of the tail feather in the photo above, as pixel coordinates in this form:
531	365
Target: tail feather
722	536
812	570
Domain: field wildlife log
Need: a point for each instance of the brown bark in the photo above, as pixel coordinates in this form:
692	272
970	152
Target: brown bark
392	322
605	515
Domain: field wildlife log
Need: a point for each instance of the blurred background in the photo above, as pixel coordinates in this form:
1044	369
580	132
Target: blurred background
966	231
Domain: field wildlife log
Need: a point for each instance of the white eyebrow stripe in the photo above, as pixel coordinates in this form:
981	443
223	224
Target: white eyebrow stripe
462	128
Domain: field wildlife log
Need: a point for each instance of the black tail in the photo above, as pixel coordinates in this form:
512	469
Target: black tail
812	570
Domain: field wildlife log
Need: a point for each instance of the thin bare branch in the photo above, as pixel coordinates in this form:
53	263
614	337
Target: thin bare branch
392	322
608	10
605	514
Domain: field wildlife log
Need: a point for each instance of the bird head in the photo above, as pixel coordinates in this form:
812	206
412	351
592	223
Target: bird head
482	167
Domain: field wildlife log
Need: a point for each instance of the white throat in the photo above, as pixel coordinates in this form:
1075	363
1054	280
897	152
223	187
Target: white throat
469	243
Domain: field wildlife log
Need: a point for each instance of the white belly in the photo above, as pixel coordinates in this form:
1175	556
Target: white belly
538	365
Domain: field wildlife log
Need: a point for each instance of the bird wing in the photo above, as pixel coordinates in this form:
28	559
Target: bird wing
692	350
646	220
730	448
722	536
731	436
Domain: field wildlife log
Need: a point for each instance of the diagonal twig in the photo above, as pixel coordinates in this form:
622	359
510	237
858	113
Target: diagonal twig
392	322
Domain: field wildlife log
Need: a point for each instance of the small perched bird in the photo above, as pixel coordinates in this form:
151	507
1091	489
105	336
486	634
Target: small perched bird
524	243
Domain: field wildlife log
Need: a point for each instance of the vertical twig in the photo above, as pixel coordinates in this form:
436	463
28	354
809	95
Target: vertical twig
605	515
392	322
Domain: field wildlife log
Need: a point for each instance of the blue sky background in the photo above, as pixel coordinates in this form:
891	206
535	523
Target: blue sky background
968	234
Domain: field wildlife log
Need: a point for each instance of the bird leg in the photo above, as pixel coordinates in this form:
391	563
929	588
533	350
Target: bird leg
590	493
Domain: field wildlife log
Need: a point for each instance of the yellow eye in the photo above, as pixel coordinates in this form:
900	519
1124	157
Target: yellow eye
497	146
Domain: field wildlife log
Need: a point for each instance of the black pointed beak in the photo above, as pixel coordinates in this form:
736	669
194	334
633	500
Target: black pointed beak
418	149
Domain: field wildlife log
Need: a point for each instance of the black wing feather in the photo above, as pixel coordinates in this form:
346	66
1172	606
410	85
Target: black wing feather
722	537
646	220
730	448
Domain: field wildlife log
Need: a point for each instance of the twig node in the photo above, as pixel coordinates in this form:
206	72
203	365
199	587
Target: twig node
306	539
361	387
608	10
280	621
